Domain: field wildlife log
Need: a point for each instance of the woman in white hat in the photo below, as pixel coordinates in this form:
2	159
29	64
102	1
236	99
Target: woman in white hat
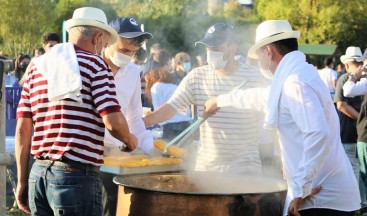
297	104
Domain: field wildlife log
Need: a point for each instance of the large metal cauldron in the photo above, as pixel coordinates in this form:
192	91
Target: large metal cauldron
200	194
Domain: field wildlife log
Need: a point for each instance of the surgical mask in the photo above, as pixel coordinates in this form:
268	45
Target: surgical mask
186	66
215	60
265	71
120	59
24	66
95	47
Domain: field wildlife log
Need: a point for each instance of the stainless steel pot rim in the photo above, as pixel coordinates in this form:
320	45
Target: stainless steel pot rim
124	181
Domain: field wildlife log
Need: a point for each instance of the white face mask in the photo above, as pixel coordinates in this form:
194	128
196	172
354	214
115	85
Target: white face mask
120	59
215	60
265	71
186	66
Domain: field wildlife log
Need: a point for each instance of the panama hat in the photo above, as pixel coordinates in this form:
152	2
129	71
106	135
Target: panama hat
352	53
363	57
89	16
270	31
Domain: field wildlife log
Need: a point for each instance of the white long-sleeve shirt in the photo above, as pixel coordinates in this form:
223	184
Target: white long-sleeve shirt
351	89
128	90
311	149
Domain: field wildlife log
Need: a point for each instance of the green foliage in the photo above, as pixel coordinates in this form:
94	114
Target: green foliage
321	21
177	25
21	24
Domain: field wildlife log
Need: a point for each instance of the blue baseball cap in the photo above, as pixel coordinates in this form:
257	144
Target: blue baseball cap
128	27
218	34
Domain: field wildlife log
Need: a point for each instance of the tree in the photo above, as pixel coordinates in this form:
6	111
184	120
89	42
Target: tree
22	23
321	21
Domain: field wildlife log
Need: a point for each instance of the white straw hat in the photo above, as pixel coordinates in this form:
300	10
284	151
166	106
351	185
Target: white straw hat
89	16
270	31
363	57
352	53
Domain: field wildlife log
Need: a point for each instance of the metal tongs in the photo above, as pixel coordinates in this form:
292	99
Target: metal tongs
185	135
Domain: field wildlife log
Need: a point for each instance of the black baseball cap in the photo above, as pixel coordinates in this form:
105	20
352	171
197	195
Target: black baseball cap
218	34
128	27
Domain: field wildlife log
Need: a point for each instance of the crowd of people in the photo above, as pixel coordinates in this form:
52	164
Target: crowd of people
84	98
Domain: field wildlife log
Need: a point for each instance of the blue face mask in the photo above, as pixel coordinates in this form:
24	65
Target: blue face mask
186	66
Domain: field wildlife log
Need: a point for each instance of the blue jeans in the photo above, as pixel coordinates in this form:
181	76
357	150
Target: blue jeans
57	190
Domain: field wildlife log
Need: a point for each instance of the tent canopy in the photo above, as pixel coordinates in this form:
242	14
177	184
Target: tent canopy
317	49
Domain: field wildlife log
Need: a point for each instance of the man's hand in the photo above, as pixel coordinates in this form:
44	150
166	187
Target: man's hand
210	107
296	202
132	144
22	197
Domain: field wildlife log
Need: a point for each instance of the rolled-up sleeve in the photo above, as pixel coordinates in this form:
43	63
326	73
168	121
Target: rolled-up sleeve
352	89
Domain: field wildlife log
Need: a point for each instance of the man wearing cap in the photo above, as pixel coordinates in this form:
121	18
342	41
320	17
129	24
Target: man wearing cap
67	101
127	80
229	140
319	174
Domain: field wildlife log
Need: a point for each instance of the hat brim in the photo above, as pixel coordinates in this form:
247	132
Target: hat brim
361	59
344	59
87	22
136	34
281	36
207	43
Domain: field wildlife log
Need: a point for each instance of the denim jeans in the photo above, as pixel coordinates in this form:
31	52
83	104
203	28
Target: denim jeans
57	190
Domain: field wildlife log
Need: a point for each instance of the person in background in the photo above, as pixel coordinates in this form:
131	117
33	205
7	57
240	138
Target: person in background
356	85
181	66
21	64
128	91
140	56
349	109
67	142
201	59
151	62
298	106
228	141
329	76
49	40
160	86
340	68
38	52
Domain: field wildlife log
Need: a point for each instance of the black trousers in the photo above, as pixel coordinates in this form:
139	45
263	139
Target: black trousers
109	194
171	130
325	212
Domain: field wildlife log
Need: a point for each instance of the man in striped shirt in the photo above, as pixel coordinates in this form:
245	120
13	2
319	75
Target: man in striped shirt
68	124
228	140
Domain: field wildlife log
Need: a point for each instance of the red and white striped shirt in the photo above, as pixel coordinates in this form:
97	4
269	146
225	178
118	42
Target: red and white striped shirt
67	128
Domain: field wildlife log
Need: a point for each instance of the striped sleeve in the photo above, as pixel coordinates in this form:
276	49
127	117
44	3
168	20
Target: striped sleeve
24	106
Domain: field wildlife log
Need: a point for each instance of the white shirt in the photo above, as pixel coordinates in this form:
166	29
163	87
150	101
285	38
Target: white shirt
128	90
311	149
351	89
161	92
328	75
228	140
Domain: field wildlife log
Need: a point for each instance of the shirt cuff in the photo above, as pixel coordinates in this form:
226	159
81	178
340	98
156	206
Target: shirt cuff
223	100
302	191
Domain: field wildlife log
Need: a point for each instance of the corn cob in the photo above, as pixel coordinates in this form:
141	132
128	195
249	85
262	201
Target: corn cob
174	151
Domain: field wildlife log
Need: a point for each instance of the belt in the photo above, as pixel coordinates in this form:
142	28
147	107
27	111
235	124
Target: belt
67	163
